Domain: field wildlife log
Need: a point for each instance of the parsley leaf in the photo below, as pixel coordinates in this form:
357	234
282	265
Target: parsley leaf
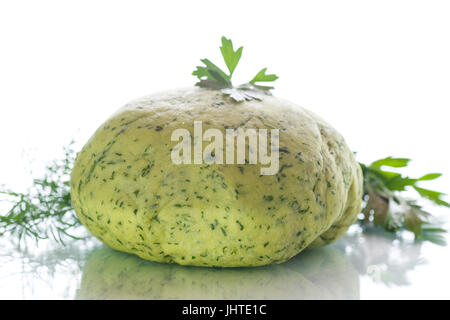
230	56
212	77
385	205
390	162
261	76
434	196
244	92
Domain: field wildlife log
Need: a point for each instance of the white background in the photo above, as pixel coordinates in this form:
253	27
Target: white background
378	71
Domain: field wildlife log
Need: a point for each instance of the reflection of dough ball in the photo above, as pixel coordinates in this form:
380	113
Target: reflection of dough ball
318	274
129	194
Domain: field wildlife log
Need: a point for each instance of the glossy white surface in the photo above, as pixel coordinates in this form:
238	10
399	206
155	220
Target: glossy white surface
359	266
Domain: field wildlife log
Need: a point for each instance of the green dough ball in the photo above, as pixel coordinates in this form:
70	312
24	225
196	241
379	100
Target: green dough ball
129	194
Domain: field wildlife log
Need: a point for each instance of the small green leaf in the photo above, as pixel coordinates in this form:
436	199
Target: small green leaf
388	175
211	76
399	183
390	162
430	176
230	56
434	196
261	76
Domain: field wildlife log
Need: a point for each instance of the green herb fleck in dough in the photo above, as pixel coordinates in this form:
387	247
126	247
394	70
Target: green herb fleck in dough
223	231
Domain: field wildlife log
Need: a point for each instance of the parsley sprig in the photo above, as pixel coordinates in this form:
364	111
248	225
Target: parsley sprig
386	205
212	77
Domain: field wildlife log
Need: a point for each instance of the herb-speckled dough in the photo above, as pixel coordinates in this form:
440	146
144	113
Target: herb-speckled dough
129	194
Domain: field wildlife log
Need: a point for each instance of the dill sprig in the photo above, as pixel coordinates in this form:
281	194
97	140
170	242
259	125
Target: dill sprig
44	211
